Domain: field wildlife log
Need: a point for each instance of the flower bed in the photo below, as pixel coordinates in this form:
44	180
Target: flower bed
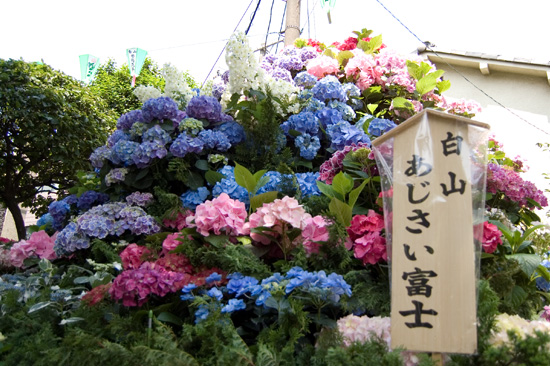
243	224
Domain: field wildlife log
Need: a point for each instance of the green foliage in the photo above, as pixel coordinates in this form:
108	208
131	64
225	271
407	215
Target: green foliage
113	85
50	125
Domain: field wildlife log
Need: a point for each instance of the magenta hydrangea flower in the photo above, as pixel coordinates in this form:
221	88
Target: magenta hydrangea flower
365	238
334	165
504	179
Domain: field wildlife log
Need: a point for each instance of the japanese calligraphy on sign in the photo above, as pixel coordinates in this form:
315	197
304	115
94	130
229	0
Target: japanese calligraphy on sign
136	59
88	67
433	259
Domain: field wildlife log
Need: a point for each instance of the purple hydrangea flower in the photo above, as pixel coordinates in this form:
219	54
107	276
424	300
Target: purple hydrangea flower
126	121
117	136
140	199
204	107
147	151
99	155
281	74
215	140
159	108
184	144
69	240
156	133
123	152
91	198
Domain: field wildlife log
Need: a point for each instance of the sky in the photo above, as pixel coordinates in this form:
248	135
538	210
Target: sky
192	34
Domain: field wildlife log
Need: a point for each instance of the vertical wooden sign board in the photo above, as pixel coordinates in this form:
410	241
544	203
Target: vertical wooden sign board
433	289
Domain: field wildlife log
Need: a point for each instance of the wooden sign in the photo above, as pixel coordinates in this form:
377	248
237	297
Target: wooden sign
432	254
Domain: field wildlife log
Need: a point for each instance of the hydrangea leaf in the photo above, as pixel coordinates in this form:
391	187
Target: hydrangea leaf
341	211
260	199
342	183
428	82
244	178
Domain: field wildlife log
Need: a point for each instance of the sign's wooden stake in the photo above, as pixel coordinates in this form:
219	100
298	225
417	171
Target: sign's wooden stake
438	359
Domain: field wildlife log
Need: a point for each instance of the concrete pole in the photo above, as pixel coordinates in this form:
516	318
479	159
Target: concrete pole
292	30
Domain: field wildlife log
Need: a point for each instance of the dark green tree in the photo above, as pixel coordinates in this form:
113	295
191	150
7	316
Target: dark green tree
50	124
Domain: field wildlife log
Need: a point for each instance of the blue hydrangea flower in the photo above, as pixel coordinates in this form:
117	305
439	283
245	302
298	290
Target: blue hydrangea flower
126	121
99	155
188	288
234	305
45	219
216	140
314	105
308	183
348	113
204	107
184	144
308	145
201	313
96	226
123	152
329	116
214	277
305	79
115	175
156	133
159	108
192	198
217	89
229	185
117	136
329	88
148	151
234	131
239	284
58	211
541	283
351	90
379	126
343	134
303	122
69	240
215	293
91	198
273	183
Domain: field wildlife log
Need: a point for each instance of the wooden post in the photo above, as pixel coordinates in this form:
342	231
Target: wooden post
292	30
438	359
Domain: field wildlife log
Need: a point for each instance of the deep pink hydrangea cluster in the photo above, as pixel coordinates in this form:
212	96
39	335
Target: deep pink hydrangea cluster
134	286
365	238
222	215
134	255
334	165
40	245
491	237
277	216
504	179
177	220
348	45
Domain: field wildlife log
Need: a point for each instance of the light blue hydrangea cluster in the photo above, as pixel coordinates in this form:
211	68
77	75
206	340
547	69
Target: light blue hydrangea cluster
308	183
126	121
305	80
156	133
185	144
192	198
91	198
353	93
541	283
343	134
45	220
115	175
60	210
329	116
215	140
229	186
348	113
329	88
379	126
204	107
159	109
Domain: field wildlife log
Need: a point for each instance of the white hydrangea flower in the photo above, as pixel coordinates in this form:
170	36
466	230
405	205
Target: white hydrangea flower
144	93
244	69
175	85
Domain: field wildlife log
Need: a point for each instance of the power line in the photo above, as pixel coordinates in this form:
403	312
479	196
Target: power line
223	49
427	44
252	18
269	24
281	29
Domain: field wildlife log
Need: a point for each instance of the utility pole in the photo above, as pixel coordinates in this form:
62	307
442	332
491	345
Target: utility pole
292	30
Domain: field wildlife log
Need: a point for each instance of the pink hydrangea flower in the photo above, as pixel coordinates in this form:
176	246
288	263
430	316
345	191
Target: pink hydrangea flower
361	224
370	248
491	237
546	313
133	256
172	241
315	231
179	221
222	215
322	66
276	216
40	244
